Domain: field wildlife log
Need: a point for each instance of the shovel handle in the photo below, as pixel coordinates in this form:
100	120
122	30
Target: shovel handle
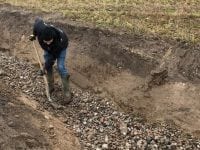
44	76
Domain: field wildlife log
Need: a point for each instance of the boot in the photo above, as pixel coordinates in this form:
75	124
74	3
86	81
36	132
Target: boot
66	90
50	80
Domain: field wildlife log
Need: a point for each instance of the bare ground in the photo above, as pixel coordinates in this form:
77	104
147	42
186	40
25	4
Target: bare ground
157	78
25	125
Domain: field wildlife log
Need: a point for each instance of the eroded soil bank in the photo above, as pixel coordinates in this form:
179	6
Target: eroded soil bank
25	125
146	75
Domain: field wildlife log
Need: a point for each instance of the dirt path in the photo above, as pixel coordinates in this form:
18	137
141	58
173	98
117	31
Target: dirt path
129	71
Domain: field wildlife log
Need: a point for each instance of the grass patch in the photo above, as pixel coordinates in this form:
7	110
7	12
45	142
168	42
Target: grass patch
170	18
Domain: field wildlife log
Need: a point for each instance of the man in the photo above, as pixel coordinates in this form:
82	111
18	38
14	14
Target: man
54	42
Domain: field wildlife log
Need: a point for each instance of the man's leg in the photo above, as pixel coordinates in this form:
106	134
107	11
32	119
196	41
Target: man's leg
64	75
49	61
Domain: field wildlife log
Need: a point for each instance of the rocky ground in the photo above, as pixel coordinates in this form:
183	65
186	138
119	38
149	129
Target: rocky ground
95	120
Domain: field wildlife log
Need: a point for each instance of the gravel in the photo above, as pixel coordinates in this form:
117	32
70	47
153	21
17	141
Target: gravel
95	120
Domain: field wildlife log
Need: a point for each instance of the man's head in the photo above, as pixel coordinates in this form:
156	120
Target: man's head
47	35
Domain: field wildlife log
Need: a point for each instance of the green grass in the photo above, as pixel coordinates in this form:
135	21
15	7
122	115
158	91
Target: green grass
167	18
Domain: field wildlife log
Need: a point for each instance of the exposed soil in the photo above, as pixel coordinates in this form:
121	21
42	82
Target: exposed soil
149	76
24	125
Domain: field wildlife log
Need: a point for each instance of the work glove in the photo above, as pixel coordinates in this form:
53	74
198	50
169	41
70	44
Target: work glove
32	37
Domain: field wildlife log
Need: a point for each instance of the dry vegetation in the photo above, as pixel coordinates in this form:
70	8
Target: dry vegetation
179	19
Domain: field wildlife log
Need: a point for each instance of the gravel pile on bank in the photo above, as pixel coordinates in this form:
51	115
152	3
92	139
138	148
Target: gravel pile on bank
95	120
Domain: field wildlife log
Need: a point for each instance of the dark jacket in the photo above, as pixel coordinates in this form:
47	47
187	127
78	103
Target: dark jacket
60	39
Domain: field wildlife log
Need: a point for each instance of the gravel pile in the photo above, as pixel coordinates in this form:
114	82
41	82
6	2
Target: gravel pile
95	120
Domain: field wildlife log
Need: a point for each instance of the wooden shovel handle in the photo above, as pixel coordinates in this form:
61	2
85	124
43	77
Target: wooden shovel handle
44	76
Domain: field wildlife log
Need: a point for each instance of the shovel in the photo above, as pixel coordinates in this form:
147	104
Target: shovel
44	76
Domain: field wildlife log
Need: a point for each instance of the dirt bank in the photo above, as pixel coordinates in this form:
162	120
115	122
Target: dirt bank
145	75
25	125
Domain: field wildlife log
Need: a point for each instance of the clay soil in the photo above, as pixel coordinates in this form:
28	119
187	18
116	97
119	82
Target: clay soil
146	75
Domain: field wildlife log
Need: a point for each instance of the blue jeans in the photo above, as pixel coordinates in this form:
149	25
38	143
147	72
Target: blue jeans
50	60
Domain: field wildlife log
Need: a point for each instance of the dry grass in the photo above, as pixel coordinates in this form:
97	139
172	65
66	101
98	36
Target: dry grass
170	18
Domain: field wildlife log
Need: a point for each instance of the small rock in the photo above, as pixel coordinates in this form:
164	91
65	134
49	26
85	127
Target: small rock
53	135
147	95
105	146
16	116
97	90
149	139
46	117
84	122
106	139
128	146
11	104
25	134
98	148
123	128
141	144
2	73
155	146
51	127
31	142
101	129
11	124
78	130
